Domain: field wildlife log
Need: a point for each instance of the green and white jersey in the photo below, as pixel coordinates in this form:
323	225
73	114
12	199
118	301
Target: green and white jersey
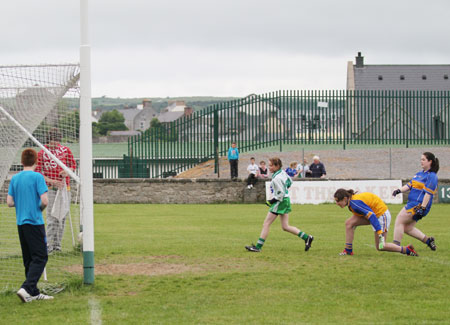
280	184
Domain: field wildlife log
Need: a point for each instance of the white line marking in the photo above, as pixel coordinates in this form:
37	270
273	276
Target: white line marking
96	311
435	260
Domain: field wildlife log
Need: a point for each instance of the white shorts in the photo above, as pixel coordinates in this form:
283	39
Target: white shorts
385	221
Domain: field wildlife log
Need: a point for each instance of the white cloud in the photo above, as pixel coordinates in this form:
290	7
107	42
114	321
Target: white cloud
206	47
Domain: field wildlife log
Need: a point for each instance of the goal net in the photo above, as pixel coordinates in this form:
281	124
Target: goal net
39	100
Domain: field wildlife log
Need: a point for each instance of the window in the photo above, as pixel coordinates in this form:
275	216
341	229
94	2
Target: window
424	77
402	77
142	125
446	76
380	77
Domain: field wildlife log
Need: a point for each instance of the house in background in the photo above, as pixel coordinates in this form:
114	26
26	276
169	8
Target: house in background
138	119
174	111
390	116
362	76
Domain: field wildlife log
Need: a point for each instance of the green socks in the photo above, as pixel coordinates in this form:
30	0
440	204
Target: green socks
303	235
260	243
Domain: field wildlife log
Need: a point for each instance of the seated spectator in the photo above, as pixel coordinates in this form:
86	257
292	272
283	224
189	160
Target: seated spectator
253	170
292	169
302	169
317	169
263	171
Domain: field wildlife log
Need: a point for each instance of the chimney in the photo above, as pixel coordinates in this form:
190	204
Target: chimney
188	111
146	103
359	61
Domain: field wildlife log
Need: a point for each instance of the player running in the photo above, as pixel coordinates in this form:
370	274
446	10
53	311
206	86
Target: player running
367	209
280	205
422	188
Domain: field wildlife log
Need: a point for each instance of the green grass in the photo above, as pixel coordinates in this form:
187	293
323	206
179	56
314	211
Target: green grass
224	284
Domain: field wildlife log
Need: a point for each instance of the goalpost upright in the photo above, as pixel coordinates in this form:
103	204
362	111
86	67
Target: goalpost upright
86	194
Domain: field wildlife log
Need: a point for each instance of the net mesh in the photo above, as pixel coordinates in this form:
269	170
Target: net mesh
40	98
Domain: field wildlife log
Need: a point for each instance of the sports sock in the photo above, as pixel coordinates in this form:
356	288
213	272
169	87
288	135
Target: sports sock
303	235
396	242
349	247
260	243
405	250
426	240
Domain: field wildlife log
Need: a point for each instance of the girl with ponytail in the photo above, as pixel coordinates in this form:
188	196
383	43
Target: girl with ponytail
367	209
422	188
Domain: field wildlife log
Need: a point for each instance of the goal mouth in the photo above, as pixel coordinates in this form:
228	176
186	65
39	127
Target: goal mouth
35	99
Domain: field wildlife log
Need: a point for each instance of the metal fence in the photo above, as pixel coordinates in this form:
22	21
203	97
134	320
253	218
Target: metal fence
338	117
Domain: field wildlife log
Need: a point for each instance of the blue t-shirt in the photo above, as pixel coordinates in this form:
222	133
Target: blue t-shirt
421	184
291	171
233	153
26	188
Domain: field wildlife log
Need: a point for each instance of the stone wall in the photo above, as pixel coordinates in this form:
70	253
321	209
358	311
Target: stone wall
178	191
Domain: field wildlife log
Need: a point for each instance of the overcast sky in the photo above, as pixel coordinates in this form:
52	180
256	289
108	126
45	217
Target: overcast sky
153	48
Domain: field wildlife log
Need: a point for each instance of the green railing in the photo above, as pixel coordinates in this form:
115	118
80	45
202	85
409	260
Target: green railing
291	117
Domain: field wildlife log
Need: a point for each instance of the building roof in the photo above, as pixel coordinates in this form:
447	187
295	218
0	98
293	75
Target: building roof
129	113
124	133
402	77
167	117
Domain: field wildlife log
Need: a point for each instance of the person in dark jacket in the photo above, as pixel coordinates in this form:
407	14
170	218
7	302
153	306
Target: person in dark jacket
317	169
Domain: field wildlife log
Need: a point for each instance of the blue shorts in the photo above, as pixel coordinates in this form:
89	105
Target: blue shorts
410	208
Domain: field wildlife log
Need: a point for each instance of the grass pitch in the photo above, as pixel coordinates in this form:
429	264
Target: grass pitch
186	264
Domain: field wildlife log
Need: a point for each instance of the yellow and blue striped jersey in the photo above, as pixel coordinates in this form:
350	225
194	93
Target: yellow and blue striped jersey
365	204
422	183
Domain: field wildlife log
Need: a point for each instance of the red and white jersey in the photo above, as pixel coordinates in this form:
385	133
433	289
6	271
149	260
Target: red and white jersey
49	168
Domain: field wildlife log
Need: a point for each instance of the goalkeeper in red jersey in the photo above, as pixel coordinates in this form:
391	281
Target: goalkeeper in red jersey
56	179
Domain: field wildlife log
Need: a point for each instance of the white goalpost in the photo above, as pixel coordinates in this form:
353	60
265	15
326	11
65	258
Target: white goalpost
35	99
87	195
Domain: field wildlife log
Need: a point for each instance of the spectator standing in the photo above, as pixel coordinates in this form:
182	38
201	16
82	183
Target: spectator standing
253	170
56	179
263	171
233	158
28	194
317	169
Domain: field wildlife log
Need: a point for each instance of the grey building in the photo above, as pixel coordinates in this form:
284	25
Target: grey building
405	107
138	119
361	76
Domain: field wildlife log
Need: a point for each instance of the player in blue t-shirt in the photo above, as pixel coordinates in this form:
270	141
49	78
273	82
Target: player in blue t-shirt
28	194
422	188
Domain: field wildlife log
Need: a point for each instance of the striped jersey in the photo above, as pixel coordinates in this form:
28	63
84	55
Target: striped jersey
48	167
423	182
280	184
365	204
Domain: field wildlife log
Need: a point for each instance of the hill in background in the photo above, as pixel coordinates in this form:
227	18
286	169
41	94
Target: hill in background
107	103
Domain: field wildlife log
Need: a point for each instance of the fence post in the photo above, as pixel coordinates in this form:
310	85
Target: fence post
216	141
280	121
390	163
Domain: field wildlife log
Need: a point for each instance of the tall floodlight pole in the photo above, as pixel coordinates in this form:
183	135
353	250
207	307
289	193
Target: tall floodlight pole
87	206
